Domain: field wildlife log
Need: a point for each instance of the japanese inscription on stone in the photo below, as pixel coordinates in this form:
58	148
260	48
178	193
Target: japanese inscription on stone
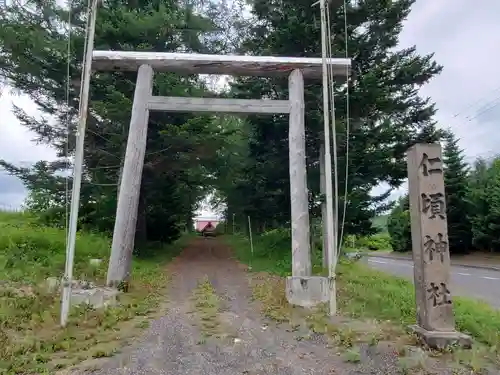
439	294
434	205
430	165
429	237
435	248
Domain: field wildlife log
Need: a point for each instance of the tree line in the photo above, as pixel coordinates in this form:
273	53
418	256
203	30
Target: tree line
472	204
241	162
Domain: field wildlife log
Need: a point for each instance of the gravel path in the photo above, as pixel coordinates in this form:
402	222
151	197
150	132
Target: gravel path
174	344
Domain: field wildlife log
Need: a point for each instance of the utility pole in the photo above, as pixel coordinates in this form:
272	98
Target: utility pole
78	166
331	242
251	241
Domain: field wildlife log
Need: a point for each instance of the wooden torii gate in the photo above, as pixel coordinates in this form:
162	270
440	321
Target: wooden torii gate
146	63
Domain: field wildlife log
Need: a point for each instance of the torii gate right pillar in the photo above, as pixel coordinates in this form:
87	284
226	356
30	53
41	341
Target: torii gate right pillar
302	288
301	249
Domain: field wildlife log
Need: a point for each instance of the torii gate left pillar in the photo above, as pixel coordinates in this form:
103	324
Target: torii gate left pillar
302	289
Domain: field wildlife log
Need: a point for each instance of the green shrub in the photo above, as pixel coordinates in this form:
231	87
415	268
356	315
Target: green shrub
398	226
272	251
221	228
275	243
379	241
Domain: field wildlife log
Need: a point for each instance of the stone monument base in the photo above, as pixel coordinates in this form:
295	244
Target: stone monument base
307	291
98	297
441	340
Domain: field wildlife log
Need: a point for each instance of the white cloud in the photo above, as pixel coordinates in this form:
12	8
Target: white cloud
16	142
464	38
16	147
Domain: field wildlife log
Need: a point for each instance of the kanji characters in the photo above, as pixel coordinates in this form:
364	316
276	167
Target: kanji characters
434	204
435	247
439	294
430	165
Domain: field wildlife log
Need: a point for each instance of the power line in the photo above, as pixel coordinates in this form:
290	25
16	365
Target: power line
495	103
347	131
458	114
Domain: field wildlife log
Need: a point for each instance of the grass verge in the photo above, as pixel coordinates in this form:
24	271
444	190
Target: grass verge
363	293
31	340
366	292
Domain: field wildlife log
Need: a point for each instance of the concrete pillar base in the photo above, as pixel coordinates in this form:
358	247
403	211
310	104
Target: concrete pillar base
442	340
307	291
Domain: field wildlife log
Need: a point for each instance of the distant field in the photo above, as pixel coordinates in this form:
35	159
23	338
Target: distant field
380	222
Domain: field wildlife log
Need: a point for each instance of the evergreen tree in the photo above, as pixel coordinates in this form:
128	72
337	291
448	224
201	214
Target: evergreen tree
386	113
479	200
457	205
484	196
398	225
33	59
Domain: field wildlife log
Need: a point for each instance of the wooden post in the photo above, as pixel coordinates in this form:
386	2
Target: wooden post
301	252
128	199
431	254
322	189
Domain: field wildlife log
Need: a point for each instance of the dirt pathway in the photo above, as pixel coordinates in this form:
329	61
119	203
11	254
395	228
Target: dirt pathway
193	340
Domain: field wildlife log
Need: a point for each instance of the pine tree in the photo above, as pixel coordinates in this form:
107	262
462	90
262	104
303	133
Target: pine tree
398	225
33	60
484	197
386	114
457	205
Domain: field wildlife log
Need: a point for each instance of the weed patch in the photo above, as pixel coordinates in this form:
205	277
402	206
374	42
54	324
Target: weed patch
270	292
207	307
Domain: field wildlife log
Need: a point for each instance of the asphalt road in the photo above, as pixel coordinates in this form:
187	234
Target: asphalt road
465	281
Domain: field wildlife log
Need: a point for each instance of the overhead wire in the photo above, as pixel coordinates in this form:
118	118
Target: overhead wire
347	131
487	108
334	132
478	101
68	93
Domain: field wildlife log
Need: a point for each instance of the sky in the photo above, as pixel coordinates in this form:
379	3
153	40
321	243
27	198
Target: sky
464	38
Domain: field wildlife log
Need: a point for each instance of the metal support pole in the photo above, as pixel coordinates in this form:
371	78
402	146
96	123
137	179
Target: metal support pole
332	242
78	167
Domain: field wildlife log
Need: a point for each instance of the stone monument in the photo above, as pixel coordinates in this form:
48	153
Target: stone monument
431	254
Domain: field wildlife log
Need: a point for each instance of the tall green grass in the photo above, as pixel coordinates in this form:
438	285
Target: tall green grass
31	340
30	252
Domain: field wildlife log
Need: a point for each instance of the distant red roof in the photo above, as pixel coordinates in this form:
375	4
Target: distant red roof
203	224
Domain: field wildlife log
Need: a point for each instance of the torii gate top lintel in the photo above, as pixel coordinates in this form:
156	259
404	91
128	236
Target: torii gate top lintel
192	63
